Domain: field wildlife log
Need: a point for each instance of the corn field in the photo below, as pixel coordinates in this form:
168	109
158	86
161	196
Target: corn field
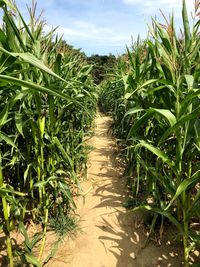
47	104
154	99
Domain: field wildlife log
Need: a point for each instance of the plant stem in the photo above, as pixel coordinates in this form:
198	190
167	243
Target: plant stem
45	230
185	242
7	223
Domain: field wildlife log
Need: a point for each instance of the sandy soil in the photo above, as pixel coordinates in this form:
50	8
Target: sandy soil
110	237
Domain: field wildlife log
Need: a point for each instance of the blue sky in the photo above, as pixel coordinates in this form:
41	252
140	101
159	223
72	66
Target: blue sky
103	26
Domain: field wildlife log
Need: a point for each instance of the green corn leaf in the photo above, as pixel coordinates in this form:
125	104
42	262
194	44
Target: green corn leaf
19	96
25	25
41	184
63	151
58	62
2	3
6	62
86	70
157	152
34	86
186	26
4	115
3	37
42	125
27	172
32	260
36	239
7	139
167	114
140	122
132	111
13	28
8	3
194	210
190	81
166	43
183	186
130	58
66	191
194	114
152	90
187	100
128	95
4	190
197	133
148	82
51	110
31	59
165	181
23	231
67	158
194	207
19	122
162	212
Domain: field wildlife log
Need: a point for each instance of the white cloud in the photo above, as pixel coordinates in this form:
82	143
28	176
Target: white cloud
132	2
94	25
152	6
100	25
71	32
90	28
85	32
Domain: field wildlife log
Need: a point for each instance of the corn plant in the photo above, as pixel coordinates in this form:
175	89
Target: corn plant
47	105
156	113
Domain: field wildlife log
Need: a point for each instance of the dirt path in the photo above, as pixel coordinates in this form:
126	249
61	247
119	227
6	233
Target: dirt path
110	237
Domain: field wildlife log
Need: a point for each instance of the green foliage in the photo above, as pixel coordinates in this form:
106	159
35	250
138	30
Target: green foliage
47	104
154	100
102	65
62	223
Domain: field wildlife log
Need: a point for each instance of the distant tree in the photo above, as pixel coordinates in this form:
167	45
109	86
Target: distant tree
102	65
65	48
